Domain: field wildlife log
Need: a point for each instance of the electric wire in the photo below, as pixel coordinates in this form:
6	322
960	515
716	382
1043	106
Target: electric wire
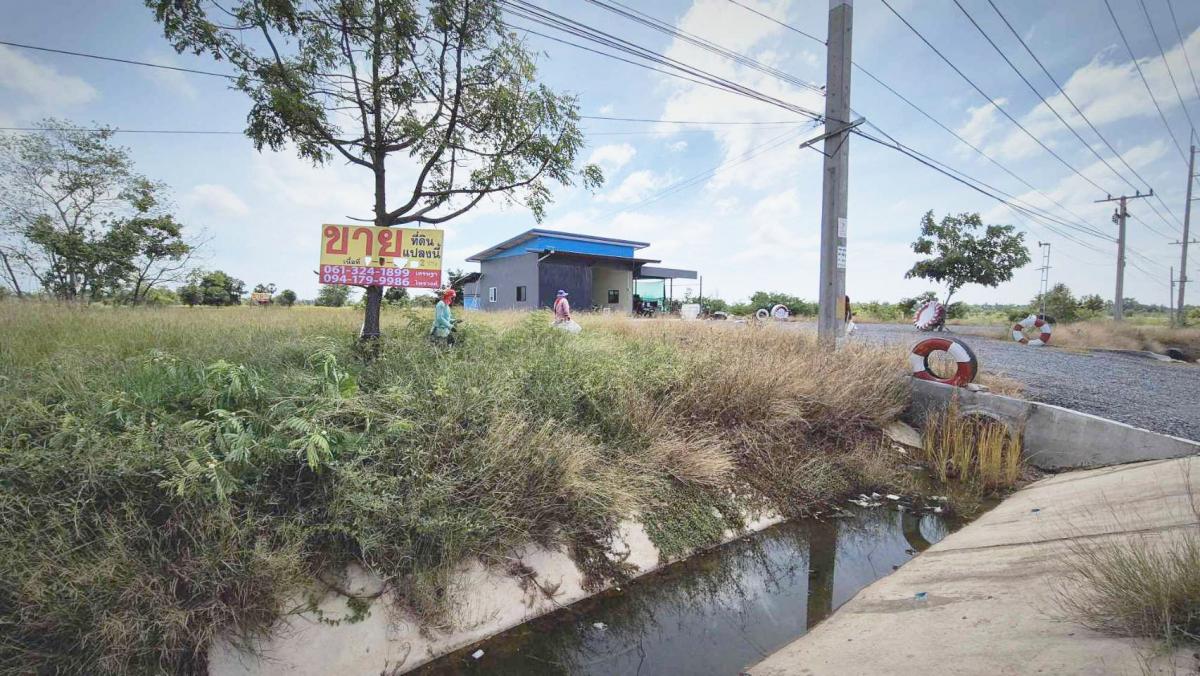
131	62
1188	61
1145	83
989	99
1170	74
1062	90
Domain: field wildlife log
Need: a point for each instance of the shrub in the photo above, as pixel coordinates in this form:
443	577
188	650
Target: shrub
170	475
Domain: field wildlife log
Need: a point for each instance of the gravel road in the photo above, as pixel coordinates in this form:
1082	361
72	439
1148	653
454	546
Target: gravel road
1159	396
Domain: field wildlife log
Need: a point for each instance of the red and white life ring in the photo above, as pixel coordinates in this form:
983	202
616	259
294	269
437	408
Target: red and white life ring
1041	322
780	311
968	365
929	315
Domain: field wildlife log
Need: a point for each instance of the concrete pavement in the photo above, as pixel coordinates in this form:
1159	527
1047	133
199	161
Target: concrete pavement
982	600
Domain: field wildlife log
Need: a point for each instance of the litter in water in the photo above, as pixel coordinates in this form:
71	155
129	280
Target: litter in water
477	654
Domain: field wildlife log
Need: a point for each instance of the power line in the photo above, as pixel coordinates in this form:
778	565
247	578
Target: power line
989	99
1183	48
772	19
114	59
117	130
1079	111
559	22
928	116
1029	84
722	122
1170	73
1145	83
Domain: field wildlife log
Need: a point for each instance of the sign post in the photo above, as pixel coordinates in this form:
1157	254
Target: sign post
361	255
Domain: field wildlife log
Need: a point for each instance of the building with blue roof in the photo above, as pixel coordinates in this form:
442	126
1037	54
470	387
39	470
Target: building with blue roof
526	271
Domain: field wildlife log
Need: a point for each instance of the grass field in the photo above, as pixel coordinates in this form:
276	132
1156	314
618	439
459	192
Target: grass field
167	475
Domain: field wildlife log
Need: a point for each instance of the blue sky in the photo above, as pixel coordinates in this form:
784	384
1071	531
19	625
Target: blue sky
753	224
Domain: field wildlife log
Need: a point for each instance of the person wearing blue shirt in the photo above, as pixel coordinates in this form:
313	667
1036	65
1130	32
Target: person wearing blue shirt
443	321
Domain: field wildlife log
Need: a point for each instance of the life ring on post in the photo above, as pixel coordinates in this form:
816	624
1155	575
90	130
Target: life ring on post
968	365
762	313
780	312
1044	324
929	315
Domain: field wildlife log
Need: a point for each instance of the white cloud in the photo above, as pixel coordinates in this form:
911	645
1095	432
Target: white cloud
982	120
43	88
677	146
173	81
1108	90
612	157
607	109
636	186
217	199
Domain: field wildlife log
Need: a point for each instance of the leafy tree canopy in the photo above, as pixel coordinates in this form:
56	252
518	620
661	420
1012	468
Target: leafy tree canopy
212	288
959	256
333	296
78	222
440	83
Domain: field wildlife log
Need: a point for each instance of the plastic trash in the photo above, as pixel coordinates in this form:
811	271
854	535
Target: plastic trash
569	326
600	625
921	596
1035	510
893	497
937	510
477	654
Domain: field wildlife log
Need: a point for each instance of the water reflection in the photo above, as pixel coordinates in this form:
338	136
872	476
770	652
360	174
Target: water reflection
713	614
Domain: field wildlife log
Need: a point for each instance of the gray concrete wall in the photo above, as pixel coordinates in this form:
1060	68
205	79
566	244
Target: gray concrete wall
605	279
506	274
1054	437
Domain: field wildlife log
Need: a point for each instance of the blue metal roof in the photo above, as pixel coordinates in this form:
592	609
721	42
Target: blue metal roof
566	242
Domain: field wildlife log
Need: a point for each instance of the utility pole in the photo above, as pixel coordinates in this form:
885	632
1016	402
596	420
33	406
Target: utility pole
1119	218
835	178
1180	315
1171	295
1045	284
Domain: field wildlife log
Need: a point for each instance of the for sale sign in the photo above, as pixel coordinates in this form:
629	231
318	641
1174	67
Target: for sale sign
360	255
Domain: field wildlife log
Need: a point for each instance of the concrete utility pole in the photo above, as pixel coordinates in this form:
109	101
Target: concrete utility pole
1119	218
836	175
1171	295
1180	315
1044	287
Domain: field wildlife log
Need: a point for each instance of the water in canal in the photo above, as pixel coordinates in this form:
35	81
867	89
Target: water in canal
715	613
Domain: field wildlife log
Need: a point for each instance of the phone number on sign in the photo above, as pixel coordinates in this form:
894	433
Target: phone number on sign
359	275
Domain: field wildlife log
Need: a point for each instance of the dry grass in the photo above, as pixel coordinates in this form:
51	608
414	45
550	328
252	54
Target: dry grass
1138	586
1003	385
1106	334
170	475
971	449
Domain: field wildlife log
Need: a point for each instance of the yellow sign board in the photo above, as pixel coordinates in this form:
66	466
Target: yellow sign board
362	255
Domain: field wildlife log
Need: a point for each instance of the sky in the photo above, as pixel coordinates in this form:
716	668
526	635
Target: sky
754	223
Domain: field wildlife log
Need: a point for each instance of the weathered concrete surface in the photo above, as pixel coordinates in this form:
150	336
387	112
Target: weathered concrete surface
484	600
989	588
1055	437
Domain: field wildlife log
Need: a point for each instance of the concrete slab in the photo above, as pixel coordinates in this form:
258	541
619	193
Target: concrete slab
981	600
1054	437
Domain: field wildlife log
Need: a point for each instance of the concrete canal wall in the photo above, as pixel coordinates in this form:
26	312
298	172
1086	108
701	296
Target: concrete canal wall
1055	438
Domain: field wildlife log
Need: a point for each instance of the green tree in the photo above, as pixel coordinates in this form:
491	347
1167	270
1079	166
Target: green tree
332	296
287	298
77	221
212	288
1059	303
1093	304
442	84
396	295
959	257
910	305
769	299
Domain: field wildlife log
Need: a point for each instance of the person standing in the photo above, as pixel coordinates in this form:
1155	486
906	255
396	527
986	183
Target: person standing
443	320
562	308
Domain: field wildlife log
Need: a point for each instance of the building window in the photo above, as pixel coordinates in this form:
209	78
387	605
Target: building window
520	294
614	296
491	294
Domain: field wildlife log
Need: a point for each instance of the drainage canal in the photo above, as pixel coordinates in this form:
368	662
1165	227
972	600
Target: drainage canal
715	613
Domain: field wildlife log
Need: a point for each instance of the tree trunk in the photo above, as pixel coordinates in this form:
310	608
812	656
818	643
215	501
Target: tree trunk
370	327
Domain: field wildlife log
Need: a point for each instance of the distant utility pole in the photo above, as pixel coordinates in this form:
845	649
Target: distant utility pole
1180	315
1171	295
835	180
1045	285
1119	218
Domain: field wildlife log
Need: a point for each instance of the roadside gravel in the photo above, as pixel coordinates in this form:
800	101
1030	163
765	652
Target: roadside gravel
1159	396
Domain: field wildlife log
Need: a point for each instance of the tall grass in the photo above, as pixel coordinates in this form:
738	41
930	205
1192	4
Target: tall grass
1139	585
168	475
1127	335
971	449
